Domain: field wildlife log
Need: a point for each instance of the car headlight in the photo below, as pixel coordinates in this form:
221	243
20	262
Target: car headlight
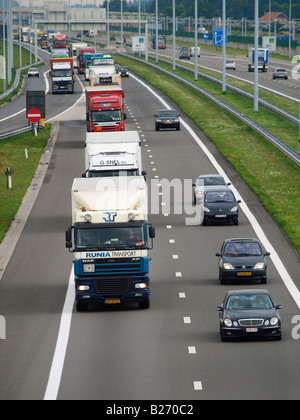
235	208
89	268
274	321
199	192
206	209
228	322
228	266
259	266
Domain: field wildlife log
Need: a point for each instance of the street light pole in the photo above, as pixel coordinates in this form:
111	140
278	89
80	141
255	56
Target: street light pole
256	58
196	41
224	46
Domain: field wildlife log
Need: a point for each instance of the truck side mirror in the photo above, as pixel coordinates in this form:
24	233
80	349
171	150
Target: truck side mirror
151	232
125	116
68	239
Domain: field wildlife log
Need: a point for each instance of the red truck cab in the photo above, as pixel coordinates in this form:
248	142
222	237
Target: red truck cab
105	109
59	41
80	57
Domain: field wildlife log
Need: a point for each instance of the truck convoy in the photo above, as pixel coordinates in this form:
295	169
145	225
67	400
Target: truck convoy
80	57
105	108
113	154
112	238
62	75
263	59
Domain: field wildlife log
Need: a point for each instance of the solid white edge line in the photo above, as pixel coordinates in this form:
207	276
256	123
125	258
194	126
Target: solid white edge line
290	285
61	344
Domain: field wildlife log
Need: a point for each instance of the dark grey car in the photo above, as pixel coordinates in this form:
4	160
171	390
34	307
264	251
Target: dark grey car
243	260
167	118
249	313
220	206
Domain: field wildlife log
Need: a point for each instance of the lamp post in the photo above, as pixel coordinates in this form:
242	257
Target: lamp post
256	58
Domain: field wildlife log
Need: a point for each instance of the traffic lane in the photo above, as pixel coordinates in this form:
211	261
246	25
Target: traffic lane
214	62
33	288
191	161
135	354
243	230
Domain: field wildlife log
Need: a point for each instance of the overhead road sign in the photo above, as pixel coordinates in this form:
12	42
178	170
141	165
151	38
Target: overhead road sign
218	37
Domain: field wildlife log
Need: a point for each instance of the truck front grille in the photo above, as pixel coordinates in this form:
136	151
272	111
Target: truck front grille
112	285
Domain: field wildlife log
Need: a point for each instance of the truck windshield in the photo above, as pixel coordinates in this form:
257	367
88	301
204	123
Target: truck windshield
107	116
110	238
98	174
62	73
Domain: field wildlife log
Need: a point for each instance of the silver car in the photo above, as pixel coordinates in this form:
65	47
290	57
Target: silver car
205	182
33	72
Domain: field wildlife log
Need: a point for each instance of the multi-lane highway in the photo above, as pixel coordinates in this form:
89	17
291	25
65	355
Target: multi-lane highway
173	350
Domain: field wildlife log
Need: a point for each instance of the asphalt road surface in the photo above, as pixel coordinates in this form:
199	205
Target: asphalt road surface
171	351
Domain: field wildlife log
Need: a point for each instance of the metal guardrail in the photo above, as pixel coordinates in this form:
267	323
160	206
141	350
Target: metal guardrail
287	150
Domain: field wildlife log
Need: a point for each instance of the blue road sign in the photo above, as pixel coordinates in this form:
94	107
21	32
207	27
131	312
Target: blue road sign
218	37
205	37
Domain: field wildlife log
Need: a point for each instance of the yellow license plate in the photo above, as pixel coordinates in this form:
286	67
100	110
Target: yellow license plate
244	273
112	301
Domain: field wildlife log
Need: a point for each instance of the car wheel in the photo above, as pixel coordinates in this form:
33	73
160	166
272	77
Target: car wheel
157	127
263	281
178	128
221	280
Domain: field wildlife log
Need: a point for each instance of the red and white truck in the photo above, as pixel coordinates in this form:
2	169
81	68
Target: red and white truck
105	108
62	75
80	57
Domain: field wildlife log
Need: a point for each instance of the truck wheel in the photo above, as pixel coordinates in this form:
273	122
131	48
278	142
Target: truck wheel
81	307
145	304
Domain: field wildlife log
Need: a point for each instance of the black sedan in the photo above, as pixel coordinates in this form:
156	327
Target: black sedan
220	205
167	118
242	259
249	313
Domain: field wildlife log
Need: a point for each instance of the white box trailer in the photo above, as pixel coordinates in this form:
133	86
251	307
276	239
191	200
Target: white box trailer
113	154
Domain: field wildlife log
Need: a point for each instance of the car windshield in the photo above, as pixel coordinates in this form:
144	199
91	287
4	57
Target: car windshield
239	249
219	197
167	113
281	70
249	301
210	180
110	238
107	116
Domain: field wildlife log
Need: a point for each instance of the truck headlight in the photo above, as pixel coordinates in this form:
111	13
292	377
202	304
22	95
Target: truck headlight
89	268
141	286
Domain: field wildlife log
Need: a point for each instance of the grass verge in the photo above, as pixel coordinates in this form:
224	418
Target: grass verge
12	155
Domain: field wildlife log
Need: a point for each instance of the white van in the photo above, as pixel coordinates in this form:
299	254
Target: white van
193	51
